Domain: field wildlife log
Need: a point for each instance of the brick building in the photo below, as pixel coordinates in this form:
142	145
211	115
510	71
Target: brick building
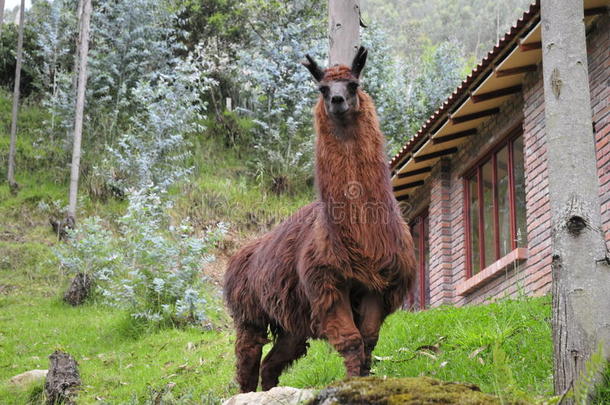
473	180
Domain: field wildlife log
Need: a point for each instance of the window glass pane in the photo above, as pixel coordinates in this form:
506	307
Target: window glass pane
503	202
474	226
488	214
519	164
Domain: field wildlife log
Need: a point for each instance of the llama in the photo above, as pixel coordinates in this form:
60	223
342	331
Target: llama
338	266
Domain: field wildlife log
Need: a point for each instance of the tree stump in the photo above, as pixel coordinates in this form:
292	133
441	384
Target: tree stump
80	289
62	380
60	227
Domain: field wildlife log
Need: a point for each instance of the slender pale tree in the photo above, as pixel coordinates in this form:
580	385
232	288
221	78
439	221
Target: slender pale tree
16	93
343	30
79	13
1	15
83	52
581	275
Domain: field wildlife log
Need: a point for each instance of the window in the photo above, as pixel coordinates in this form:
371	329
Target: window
419	296
495	205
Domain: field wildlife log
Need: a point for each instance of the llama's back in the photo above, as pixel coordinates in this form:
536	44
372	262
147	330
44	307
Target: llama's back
261	282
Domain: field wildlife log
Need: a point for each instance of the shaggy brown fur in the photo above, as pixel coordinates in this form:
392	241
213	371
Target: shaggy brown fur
333	270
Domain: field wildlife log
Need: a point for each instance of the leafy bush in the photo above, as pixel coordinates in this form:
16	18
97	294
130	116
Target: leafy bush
148	266
153	150
282	96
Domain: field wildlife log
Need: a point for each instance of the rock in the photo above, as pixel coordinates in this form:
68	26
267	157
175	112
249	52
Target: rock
408	391
24	379
275	396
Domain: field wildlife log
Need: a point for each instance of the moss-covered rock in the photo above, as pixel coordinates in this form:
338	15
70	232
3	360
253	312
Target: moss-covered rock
411	391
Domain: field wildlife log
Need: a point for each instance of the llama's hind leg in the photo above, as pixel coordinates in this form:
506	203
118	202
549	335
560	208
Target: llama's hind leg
248	350
286	349
371	316
339	328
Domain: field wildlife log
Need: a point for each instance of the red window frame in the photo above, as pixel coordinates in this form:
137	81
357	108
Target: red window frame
477	171
420	221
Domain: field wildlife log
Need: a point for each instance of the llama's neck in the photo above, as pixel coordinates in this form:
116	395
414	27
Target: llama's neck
351	170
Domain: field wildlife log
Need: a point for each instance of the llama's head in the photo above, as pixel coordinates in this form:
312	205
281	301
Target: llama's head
338	85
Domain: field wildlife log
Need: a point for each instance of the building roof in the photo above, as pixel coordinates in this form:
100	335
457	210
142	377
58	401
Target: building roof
498	76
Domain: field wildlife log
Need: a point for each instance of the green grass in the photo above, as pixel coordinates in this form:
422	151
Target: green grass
504	347
223	189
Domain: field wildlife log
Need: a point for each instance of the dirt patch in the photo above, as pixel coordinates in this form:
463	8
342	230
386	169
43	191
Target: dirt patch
226	248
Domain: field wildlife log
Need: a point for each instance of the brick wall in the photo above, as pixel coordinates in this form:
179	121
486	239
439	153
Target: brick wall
538	267
598	46
439	215
488	135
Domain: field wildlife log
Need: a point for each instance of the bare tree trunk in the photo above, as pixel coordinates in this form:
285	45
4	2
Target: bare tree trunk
581	275
1	15
80	107
343	31
79	13
11	154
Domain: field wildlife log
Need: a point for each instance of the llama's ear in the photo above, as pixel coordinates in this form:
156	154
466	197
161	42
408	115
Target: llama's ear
359	61
313	68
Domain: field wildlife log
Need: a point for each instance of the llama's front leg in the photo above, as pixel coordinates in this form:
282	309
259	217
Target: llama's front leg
371	316
339	328
248	350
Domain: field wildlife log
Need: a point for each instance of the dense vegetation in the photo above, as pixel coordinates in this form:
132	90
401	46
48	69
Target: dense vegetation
198	136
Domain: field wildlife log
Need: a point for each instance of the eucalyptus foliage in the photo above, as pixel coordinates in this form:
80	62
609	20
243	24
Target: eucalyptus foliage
133	41
386	81
148	266
153	150
282	93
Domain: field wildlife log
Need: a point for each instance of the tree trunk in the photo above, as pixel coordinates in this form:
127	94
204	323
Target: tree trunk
1	15
62	379
343	31
80	107
581	275
79	13
79	290
11	154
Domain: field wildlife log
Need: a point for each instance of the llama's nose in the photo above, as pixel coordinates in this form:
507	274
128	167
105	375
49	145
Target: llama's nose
337	99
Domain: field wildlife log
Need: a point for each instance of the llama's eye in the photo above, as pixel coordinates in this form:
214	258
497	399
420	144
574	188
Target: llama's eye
324	90
353	86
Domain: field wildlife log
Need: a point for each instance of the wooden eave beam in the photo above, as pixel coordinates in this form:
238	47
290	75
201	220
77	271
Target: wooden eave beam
516	70
434	155
530	46
456	135
411	173
595	11
477	98
474	116
409	185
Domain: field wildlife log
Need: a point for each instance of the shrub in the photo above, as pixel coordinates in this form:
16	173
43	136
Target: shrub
148	267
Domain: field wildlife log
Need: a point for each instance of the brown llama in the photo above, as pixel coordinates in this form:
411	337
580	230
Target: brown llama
338	266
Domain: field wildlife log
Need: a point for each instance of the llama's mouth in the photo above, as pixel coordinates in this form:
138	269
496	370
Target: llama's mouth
340	113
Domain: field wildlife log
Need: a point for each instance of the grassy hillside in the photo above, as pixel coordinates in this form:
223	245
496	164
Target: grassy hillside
504	347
